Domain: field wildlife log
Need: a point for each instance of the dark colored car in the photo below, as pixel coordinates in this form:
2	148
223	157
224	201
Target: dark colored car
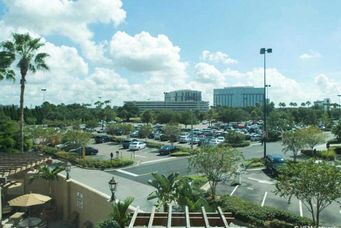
88	151
165	150
273	162
102	138
126	143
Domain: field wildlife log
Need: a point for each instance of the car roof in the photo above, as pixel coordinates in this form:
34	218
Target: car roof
276	157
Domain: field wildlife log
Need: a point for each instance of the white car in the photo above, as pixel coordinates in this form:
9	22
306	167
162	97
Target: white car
213	142
137	145
221	139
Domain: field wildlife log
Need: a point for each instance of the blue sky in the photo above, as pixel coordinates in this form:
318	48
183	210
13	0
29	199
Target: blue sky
145	47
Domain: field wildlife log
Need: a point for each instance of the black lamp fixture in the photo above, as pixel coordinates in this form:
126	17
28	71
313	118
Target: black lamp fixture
113	187
68	170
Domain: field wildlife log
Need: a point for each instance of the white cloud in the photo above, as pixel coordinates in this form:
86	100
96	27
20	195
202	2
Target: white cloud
217	57
207	73
328	87
146	53
67	18
310	55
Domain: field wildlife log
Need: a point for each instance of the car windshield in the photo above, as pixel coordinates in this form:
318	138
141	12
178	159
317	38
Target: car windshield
279	160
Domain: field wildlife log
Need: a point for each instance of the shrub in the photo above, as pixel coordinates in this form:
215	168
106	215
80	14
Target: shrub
103	164
180	154
254	163
327	155
337	149
198	181
241	144
260	216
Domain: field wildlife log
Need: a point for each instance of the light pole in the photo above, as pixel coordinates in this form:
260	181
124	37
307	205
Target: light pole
43	90
191	130
263	51
113	187
67	170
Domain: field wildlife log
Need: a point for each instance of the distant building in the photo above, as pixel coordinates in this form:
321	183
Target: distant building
238	97
201	106
325	104
183	95
179	100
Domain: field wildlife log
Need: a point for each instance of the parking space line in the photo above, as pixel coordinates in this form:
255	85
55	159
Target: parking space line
261	181
140	156
263	202
301	209
126	172
235	188
163	159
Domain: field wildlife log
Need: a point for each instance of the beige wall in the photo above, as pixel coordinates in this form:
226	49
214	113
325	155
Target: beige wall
73	196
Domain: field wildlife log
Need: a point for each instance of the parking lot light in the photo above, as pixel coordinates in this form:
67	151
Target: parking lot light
263	51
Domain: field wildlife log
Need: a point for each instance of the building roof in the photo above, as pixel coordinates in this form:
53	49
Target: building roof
11	164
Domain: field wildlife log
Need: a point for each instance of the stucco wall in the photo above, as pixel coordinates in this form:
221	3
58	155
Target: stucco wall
71	196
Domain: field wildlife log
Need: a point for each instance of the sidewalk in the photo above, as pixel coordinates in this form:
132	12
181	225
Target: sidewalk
98	180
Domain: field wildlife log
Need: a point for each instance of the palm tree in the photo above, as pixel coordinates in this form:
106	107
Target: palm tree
308	103
303	104
23	51
47	174
166	189
119	217
282	104
120	212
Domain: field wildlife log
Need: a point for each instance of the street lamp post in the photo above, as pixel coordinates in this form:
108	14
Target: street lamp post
263	51
43	90
113	187
68	170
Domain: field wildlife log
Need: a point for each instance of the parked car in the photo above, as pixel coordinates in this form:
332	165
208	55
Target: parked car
194	140
221	139
68	146
164	137
137	145
102	138
213	142
134	134
126	143
88	150
273	162
165	150
184	139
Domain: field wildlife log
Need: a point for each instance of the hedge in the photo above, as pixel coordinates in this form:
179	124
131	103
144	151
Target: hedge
254	163
180	154
242	144
258	216
325	154
75	159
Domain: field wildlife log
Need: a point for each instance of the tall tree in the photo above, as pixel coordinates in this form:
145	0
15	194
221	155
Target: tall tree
313	136
316	185
293	141
22	50
216	163
166	189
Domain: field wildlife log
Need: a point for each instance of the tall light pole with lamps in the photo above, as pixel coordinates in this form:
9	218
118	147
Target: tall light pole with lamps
43	90
263	51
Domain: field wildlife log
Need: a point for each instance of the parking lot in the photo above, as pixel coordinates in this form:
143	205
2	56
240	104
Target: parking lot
259	188
139	156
